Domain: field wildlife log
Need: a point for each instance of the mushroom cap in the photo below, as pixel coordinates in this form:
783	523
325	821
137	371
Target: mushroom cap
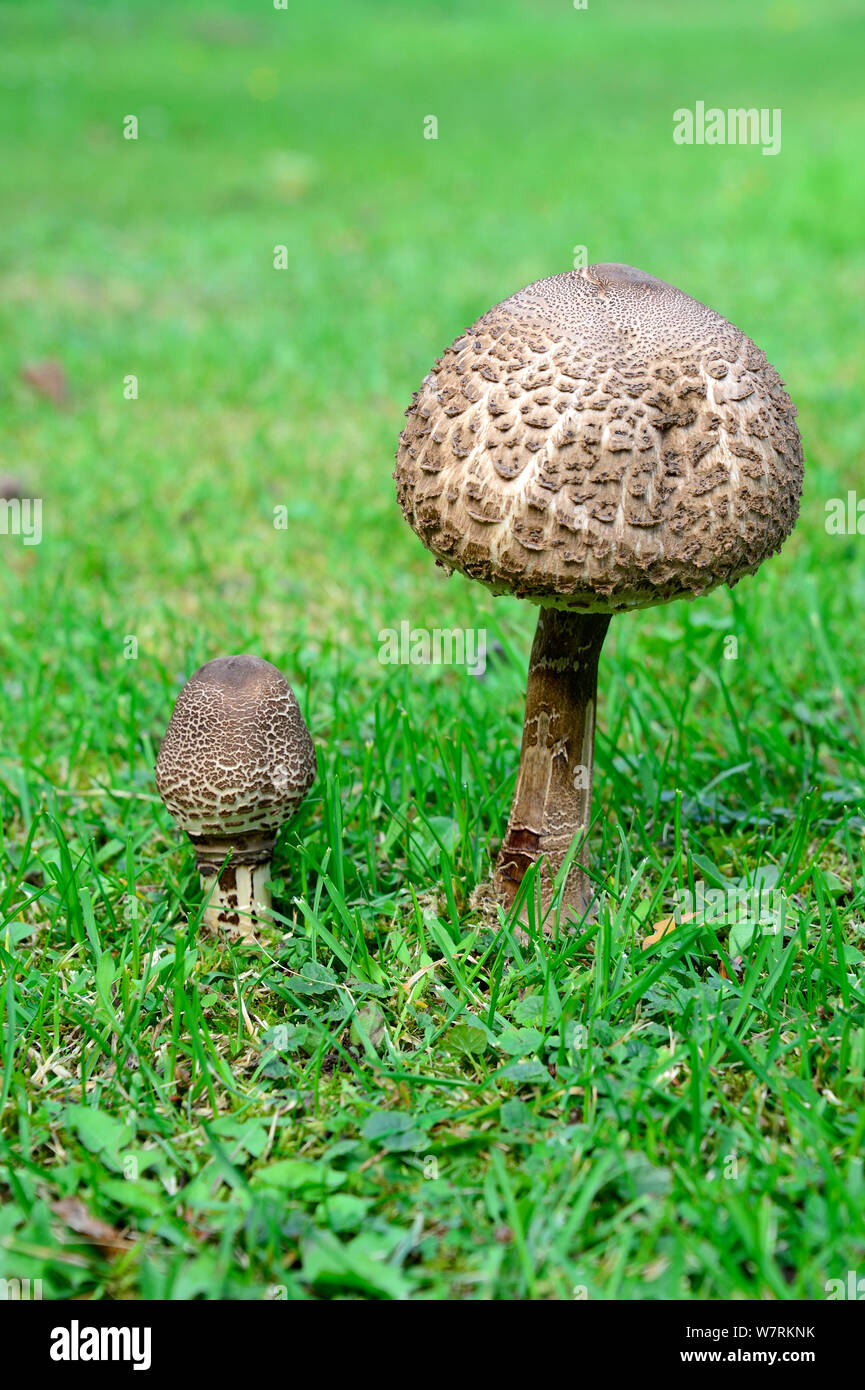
601	441
236	756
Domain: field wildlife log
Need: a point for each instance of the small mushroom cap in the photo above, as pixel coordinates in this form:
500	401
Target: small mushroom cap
236	756
601	441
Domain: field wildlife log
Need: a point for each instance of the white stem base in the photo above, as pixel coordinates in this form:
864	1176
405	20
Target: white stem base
240	901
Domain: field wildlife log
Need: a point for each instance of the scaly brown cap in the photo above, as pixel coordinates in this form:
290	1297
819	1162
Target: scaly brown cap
236	756
601	441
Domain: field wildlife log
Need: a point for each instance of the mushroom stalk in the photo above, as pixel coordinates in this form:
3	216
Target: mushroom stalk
553	795
239	898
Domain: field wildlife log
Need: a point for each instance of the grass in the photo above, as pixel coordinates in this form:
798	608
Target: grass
395	1097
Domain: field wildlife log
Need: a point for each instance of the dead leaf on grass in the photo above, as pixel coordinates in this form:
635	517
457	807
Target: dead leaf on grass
48	379
108	1239
664	927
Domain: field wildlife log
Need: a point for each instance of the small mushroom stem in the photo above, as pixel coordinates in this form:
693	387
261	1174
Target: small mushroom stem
553	795
240	899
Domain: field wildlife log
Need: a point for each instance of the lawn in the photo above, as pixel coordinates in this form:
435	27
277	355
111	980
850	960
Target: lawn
395	1095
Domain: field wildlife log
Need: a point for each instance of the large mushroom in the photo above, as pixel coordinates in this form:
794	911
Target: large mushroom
598	442
235	763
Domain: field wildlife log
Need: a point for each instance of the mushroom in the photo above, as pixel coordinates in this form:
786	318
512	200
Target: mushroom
236	761
597	442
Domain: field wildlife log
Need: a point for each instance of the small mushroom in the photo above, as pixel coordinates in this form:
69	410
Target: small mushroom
235	763
598	442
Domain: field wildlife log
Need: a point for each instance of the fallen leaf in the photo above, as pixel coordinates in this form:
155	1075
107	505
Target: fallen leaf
10	487
74	1213
664	927
48	379
738	964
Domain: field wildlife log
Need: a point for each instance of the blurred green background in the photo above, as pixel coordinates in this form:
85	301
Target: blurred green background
305	128
261	388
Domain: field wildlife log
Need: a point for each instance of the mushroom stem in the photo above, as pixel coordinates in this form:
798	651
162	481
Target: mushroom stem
553	795
240	899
